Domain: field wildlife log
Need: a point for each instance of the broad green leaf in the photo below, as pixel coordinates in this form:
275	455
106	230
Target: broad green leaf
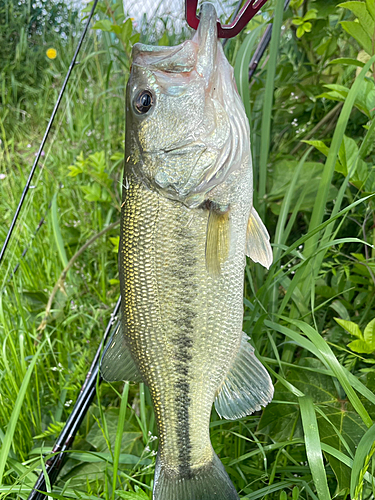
358	32
310	14
300	31
97	160
347	60
369	334
116	243
364	99
348	154
115	28
323	148
134	38
319	145
359	9
360	346
103	24
341	89
371	8
74	170
93	192
297	21
126	30
350	327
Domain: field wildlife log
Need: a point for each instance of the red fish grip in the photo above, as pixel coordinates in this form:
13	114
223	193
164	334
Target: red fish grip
247	12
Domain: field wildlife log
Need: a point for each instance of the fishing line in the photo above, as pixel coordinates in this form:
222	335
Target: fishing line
49	126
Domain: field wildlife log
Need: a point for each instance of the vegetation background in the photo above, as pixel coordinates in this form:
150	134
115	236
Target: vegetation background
311	317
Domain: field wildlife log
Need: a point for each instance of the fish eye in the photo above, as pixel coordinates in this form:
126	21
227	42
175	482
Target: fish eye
143	101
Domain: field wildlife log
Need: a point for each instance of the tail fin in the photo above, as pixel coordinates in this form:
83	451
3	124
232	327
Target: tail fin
209	482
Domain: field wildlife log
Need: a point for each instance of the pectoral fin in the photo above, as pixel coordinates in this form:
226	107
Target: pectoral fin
258	246
217	241
247	386
117	362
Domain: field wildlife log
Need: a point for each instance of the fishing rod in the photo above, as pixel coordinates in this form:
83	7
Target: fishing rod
46	133
262	46
65	440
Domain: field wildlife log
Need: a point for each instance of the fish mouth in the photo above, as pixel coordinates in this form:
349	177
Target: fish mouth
182	146
198	53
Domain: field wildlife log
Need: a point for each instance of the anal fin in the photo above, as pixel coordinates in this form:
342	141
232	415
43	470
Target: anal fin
258	246
117	362
217	240
247	386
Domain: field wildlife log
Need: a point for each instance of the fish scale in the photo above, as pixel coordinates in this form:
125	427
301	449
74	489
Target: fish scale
164	276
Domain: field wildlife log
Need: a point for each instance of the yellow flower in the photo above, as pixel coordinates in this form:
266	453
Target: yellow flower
51	53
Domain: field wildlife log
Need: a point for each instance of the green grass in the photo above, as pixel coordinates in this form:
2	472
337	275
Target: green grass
314	441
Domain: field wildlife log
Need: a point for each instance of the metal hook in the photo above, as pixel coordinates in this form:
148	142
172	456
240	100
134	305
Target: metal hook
247	12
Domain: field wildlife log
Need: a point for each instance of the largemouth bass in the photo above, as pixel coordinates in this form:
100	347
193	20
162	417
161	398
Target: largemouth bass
187	223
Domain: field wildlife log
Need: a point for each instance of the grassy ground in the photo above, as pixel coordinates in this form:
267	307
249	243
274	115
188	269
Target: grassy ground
315	440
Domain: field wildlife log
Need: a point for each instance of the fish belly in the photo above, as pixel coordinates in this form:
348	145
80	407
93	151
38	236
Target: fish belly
182	326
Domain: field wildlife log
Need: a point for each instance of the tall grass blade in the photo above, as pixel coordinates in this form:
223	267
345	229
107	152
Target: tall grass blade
241	68
306	344
363	450
267	490
57	232
268	100
336	367
313	448
16	412
119	433
329	167
325	354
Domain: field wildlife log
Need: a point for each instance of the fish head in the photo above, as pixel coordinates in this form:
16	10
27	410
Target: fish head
186	126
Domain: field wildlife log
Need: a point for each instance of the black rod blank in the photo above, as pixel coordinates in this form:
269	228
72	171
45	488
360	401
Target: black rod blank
65	440
263	44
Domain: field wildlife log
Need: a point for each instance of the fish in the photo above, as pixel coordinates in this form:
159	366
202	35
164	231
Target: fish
187	224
